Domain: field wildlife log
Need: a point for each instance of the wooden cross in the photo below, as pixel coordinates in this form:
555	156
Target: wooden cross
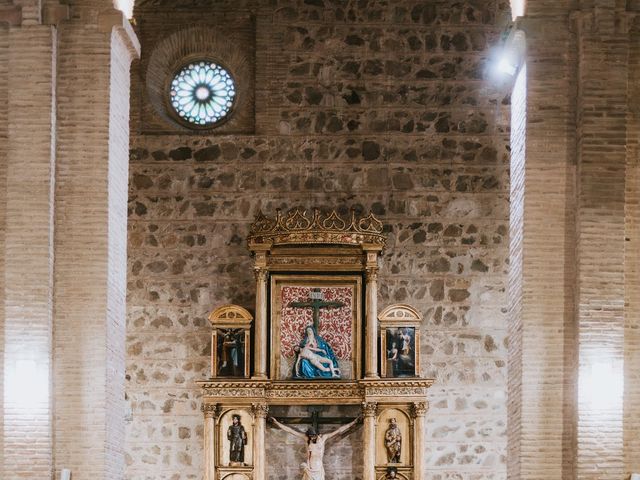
314	418
316	302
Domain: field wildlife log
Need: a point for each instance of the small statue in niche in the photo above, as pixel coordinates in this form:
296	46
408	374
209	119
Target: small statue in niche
231	356
313	469
392	473
237	437
393	441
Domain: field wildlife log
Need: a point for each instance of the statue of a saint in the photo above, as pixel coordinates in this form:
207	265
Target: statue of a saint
393	441
237	437
315	357
313	468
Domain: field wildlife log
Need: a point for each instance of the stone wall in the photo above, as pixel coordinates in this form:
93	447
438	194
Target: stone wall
371	105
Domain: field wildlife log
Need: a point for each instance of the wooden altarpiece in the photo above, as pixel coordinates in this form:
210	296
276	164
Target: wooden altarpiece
317	274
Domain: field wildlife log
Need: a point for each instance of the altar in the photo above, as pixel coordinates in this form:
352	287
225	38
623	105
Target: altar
317	339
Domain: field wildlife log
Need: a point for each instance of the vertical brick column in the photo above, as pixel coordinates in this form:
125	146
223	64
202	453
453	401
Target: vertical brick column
90	246
541	270
27	156
602	114
632	263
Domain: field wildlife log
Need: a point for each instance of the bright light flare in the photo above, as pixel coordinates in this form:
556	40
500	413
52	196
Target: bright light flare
601	385
27	385
518	8
126	7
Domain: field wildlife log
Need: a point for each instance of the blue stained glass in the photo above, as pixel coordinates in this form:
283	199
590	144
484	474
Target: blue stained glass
202	93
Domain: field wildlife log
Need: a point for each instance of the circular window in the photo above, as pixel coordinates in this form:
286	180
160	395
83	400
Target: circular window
202	93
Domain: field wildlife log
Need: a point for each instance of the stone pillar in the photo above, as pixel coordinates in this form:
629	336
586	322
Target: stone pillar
260	411
369	410
211	413
371	309
260	360
418	413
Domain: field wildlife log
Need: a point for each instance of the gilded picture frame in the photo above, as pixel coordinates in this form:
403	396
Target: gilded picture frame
315	326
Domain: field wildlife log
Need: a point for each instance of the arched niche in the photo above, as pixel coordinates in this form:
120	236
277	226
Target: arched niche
225	421
235	476
405	426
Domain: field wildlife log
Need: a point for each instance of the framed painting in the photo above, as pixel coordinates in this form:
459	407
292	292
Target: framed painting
400	341
399	347
315	327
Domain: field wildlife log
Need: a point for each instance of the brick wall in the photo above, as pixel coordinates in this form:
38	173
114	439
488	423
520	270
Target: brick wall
376	106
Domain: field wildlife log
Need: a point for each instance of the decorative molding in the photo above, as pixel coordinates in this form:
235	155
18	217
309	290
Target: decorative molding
260	274
260	410
210	410
291	392
299	227
371	274
230	314
369	409
419	409
400	313
324	261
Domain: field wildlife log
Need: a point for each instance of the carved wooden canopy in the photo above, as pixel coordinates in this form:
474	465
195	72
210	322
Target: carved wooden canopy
298	227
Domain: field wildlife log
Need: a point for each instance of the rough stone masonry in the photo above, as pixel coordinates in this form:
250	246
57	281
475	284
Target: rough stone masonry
374	105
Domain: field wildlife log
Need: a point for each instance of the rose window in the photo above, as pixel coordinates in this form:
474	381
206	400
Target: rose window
202	93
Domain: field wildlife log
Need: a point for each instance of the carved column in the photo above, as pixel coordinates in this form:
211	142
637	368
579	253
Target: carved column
369	410
418	413
211	413
260	360
260	411
371	341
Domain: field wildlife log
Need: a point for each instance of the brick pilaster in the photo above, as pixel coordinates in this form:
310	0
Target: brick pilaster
28	158
90	247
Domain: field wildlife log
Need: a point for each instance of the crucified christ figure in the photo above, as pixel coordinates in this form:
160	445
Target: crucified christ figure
313	468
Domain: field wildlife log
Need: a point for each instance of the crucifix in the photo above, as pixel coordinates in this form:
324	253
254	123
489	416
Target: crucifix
316	302
315	419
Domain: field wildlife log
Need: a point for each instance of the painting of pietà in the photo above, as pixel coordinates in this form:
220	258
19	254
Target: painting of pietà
315	323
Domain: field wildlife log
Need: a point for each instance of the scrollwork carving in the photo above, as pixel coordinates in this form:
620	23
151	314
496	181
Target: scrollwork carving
210	410
369	409
419	409
260	410
300	227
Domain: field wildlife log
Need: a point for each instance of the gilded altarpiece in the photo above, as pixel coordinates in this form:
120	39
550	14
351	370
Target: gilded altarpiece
318	340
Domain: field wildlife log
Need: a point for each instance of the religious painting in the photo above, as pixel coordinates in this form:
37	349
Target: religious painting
230	360
399	341
400	352
230	342
315	327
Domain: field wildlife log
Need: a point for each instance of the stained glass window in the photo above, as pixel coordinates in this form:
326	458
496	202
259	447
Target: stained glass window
202	93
